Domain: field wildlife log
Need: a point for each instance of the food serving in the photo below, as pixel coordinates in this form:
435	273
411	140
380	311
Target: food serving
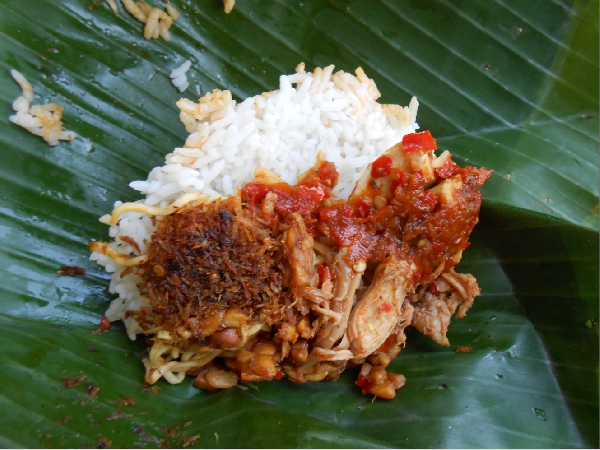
296	234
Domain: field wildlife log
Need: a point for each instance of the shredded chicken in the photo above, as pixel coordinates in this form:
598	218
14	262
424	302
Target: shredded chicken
346	282
300	255
377	313
433	312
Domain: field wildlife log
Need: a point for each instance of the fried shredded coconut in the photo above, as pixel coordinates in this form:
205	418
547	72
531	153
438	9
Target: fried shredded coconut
229	260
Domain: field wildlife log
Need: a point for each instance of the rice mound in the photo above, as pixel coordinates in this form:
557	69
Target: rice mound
282	131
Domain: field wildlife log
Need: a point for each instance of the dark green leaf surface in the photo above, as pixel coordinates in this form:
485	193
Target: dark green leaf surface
506	84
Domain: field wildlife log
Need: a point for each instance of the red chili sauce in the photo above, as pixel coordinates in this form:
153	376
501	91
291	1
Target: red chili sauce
313	187
413	224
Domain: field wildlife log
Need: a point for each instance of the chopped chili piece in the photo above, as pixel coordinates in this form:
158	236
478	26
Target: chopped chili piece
364	382
433	289
386	307
382	166
104	326
387	344
254	192
415	142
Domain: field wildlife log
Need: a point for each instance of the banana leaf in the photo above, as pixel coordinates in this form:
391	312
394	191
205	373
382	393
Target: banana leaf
506	84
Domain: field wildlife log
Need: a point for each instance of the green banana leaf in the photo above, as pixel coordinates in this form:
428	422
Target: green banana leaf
511	85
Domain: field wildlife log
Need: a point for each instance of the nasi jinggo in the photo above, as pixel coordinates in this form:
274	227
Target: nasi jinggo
285	280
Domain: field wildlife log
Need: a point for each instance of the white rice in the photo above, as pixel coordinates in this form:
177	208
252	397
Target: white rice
178	76
41	120
281	131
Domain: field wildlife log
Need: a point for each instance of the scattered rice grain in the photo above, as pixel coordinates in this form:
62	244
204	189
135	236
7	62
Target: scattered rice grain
113	5
156	20
172	12
179	78
41	120
229	4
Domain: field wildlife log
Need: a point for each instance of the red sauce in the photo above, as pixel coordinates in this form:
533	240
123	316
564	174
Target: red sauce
340	224
324	272
382	166
387	344
416	142
325	175
413	224
313	187
447	170
433	289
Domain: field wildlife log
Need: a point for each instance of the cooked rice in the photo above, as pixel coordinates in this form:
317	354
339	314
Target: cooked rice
282	131
172	12
178	76
41	120
157	21
113	5
229	4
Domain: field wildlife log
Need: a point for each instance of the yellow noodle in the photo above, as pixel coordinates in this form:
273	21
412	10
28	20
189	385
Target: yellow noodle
119	258
113	218
158	366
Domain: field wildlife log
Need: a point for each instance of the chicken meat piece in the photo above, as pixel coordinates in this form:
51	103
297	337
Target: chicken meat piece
298	250
376	315
346	281
435	304
411	162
